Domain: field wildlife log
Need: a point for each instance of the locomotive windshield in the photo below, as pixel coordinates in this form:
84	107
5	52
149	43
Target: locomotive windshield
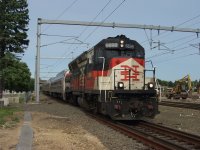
124	53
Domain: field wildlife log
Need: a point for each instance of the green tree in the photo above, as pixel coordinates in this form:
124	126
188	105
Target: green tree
171	84
165	83
31	84
13	26
14	20
17	76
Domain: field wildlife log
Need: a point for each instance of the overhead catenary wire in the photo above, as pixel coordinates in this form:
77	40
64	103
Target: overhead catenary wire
93	20
159	35
87	27
64	36
164	53
62	13
149	40
193	24
182	38
103	20
124	0
167	60
95	17
118	6
173	49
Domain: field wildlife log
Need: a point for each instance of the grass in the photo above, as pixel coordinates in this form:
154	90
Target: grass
8	117
21	99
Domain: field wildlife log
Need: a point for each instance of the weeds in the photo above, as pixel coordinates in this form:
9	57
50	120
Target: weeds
7	117
21	99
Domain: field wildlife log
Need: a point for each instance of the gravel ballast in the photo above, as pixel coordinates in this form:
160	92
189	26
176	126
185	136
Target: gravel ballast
58	125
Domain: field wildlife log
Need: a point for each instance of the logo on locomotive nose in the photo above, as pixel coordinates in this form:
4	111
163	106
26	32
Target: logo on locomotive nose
130	73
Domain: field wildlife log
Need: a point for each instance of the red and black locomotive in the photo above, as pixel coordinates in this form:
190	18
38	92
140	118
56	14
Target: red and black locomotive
110	79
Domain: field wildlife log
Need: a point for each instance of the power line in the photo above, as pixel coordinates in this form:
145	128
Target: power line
169	52
185	37
87	27
62	13
184	42
59	35
159	35
118	6
193	24
178	58
96	16
179	51
173	49
58	42
66	9
104	19
149	40
188	20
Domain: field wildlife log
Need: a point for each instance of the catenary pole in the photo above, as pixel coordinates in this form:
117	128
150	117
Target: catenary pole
100	24
37	79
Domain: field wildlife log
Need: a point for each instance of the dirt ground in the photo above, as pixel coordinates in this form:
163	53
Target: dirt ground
9	136
54	132
54	129
186	120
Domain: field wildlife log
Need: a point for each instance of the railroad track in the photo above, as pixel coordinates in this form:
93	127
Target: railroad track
180	105
154	136
173	139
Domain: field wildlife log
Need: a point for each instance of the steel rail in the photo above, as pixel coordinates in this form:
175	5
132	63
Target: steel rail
180	105
188	138
146	139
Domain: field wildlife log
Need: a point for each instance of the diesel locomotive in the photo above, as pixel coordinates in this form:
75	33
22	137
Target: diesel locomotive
110	79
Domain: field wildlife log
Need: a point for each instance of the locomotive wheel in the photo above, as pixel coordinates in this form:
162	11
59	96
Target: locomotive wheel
95	108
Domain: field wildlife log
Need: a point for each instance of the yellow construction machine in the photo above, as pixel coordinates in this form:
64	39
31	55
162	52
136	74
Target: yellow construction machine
182	88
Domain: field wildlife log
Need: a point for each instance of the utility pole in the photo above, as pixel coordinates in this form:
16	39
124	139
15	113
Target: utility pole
37	78
100	24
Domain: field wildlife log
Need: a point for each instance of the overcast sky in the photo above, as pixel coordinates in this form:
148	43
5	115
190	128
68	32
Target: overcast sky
178	54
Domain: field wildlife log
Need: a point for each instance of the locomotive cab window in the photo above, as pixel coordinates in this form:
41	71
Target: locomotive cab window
124	53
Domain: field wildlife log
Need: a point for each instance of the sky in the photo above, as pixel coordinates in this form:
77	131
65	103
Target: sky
177	55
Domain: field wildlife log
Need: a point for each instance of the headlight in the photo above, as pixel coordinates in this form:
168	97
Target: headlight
120	85
122	42
150	85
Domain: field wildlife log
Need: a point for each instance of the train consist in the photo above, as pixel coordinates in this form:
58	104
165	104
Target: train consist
109	79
